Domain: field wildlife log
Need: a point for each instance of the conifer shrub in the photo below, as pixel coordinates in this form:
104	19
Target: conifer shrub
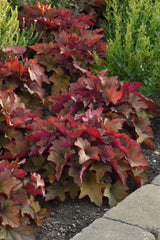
132	30
10	32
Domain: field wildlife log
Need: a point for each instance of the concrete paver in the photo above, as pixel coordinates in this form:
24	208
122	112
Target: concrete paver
156	181
104	229
141	208
137	217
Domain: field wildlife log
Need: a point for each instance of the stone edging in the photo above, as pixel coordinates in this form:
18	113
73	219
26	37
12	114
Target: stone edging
137	217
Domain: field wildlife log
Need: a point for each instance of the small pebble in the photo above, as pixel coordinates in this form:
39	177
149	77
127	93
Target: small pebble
156	152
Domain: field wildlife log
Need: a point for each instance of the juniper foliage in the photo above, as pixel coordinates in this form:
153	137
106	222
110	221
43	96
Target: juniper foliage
132	30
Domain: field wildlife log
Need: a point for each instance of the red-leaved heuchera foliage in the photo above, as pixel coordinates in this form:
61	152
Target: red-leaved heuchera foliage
82	139
24	76
17	201
66	40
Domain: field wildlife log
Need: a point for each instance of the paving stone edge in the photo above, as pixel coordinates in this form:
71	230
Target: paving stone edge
101	227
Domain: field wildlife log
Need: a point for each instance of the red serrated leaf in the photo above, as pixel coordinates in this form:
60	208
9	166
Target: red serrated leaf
20	196
142	126
121	168
42	47
14	65
131	86
15	49
39	181
125	109
17	148
39	141
7	50
14	110
112	94
91	114
135	157
18	49
32	188
53	24
151	106
93	131
107	153
33	88
137	102
19	173
37	74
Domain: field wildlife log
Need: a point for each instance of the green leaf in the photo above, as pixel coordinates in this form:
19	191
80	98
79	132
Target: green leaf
59	155
115	193
55	190
9	214
60	80
23	232
101	168
49	170
92	188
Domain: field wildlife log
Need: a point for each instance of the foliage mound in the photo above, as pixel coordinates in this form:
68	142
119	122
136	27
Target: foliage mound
66	40
82	139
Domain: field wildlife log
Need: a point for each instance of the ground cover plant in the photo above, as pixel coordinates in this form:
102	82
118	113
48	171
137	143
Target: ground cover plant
80	138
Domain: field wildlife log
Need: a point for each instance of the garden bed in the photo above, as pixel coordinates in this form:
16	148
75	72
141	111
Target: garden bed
69	217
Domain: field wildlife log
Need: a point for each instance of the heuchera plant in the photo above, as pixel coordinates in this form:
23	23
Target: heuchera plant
24	76
17	202
97	128
18	188
89	141
66	40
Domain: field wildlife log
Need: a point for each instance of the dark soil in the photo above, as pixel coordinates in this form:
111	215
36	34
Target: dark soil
71	216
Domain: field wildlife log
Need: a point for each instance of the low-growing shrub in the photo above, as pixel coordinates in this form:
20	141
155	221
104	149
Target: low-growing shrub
10	32
132	30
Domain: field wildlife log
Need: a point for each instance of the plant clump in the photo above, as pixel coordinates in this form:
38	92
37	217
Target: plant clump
81	138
